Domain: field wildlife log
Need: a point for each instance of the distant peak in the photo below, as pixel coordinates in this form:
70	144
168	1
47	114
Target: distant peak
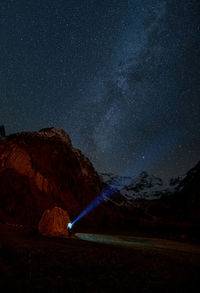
53	131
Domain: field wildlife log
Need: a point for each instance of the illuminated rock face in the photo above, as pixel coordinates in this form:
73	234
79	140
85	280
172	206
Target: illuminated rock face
41	170
54	223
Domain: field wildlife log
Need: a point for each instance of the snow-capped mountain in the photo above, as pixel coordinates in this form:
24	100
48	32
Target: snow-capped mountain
145	186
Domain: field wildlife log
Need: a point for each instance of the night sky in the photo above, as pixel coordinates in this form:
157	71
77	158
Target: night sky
117	75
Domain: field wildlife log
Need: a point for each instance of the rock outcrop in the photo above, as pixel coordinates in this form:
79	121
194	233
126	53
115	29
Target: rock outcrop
54	223
40	170
183	204
187	200
2	131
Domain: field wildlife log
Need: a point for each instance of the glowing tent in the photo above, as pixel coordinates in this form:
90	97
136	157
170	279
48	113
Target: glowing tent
54	223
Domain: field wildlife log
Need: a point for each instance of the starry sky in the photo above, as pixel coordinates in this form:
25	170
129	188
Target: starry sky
116	75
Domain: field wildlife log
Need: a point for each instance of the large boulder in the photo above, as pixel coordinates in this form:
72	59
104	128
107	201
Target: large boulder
54	223
41	170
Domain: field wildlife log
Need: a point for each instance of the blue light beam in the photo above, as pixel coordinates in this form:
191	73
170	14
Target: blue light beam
159	148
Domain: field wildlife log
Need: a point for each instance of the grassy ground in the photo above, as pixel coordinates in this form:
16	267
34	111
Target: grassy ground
32	263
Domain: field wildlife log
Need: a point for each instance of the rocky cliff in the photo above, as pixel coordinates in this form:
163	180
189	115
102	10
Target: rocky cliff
39	170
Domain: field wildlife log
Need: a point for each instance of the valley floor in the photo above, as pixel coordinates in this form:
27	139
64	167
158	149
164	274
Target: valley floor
32	263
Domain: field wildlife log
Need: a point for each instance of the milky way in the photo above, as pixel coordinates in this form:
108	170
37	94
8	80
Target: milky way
115	75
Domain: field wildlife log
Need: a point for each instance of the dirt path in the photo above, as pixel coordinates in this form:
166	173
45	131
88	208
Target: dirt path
142	242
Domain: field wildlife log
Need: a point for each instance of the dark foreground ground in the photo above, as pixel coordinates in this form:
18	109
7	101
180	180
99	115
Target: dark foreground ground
32	263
